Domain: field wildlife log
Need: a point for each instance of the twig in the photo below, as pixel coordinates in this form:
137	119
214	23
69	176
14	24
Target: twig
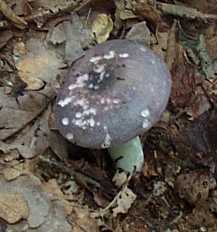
8	13
184	12
72	172
47	14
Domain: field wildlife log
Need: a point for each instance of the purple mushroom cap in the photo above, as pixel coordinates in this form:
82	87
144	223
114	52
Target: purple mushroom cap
115	92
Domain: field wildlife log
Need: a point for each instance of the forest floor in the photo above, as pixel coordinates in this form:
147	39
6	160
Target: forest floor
48	184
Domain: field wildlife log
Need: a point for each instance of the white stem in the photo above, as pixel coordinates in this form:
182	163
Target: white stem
128	156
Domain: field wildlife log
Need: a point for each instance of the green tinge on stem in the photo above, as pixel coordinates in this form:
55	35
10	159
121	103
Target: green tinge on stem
128	156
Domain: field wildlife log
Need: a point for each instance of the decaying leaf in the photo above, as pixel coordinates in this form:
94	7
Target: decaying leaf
53	188
171	46
58	145
44	214
184	79
74	35
161	46
13	207
124	10
34	138
53	5
183	11
198	53
12	118
124	201
8	13
140	32
200	104
56	35
5	36
102	27
36	63
148	11
82	220
12	173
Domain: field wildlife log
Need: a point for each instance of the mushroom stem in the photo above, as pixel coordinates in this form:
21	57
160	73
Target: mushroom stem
128	156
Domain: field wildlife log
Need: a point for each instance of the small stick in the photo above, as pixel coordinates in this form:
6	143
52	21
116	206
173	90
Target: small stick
9	13
184	12
47	14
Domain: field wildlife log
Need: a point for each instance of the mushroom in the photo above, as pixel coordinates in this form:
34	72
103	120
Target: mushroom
110	96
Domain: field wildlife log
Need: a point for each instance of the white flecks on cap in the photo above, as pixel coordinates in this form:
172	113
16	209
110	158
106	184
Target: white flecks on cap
101	77
153	61
145	113
98	68
78	115
110	55
123	55
83	103
98	123
81	123
116	101
80	82
85	118
106	108
107	75
65	121
72	86
152	89
90	111
143	49
95	59
108	100
96	87
107	141
102	100
145	123
69	136
91	86
91	122
64	102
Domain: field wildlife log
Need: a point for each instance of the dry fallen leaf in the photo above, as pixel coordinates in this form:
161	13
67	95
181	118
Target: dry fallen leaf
148	11
56	35
124	10
140	32
53	188
36	63
44	213
184	79
12	173
13	118
102	27
73	34
13	207
53	5
33	139
5	36
82	220
124	201
9	13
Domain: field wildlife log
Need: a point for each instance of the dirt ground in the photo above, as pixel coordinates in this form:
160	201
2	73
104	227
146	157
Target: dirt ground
48	184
